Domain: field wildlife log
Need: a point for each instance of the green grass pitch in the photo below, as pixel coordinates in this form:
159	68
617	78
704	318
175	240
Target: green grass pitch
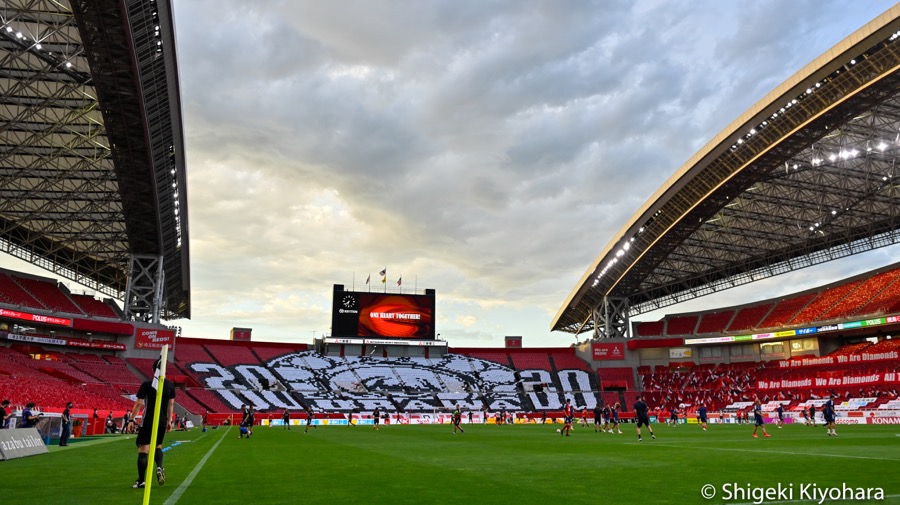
529	464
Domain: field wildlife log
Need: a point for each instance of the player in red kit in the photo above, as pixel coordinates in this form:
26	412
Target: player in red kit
568	415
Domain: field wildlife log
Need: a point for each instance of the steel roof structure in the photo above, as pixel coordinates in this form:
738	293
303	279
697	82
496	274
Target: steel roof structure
92	172
807	175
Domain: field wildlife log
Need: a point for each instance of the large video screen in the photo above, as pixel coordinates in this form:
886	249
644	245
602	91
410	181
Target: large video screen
362	314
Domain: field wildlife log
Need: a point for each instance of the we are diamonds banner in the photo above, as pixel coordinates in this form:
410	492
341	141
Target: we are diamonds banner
832	380
863	357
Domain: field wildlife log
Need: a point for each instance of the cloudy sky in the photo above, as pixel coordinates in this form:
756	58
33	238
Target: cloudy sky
485	149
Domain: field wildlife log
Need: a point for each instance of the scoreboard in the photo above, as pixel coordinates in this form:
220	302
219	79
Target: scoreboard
391	315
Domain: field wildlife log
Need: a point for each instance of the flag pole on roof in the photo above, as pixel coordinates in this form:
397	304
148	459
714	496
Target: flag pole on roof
159	383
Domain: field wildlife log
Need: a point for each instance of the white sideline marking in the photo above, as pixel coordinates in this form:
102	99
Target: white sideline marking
173	498
886	497
769	452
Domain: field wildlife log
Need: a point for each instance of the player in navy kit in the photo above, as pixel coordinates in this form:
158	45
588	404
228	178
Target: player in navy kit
701	416
642	417
829	414
598	418
759	421
780	411
614	418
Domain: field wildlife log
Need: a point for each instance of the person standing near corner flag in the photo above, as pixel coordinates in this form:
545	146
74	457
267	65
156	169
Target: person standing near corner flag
146	400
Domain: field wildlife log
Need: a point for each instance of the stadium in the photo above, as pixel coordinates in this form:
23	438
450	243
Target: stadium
94	192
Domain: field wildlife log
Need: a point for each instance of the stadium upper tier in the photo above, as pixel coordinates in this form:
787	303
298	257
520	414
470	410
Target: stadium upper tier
92	169
869	295
805	176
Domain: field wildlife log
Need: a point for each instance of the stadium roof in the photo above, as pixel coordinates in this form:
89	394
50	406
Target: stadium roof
807	175
91	153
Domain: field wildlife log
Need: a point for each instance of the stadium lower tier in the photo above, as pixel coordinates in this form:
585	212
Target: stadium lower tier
297	380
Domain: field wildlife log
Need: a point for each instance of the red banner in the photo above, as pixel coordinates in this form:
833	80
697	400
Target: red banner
608	352
863	357
149	338
828	380
35	318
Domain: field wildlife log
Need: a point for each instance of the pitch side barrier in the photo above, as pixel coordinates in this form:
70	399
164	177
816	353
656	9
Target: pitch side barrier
21	442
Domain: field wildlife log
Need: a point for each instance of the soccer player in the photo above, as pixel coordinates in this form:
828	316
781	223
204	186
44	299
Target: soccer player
614	418
812	415
286	419
805	416
568	415
309	418
376	418
245	422
701	416
673	417
598	419
758	418
642	417
780	411
146	400
584	417
829	414
457	419
605	413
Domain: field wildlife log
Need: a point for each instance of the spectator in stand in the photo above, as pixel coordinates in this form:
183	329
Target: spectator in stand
146	401
4	415
66	428
30	419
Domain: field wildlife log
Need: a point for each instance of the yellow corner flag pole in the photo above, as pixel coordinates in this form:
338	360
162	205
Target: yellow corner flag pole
159	383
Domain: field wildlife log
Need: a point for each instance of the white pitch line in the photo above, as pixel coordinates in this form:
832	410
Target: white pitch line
886	497
706	448
173	498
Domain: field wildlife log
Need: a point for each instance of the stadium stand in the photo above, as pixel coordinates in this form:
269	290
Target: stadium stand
228	355
682	325
651	328
12	293
49	295
714	322
93	307
785	311
749	317
827	299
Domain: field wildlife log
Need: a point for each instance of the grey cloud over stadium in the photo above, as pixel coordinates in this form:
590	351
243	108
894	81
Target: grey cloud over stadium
488	150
